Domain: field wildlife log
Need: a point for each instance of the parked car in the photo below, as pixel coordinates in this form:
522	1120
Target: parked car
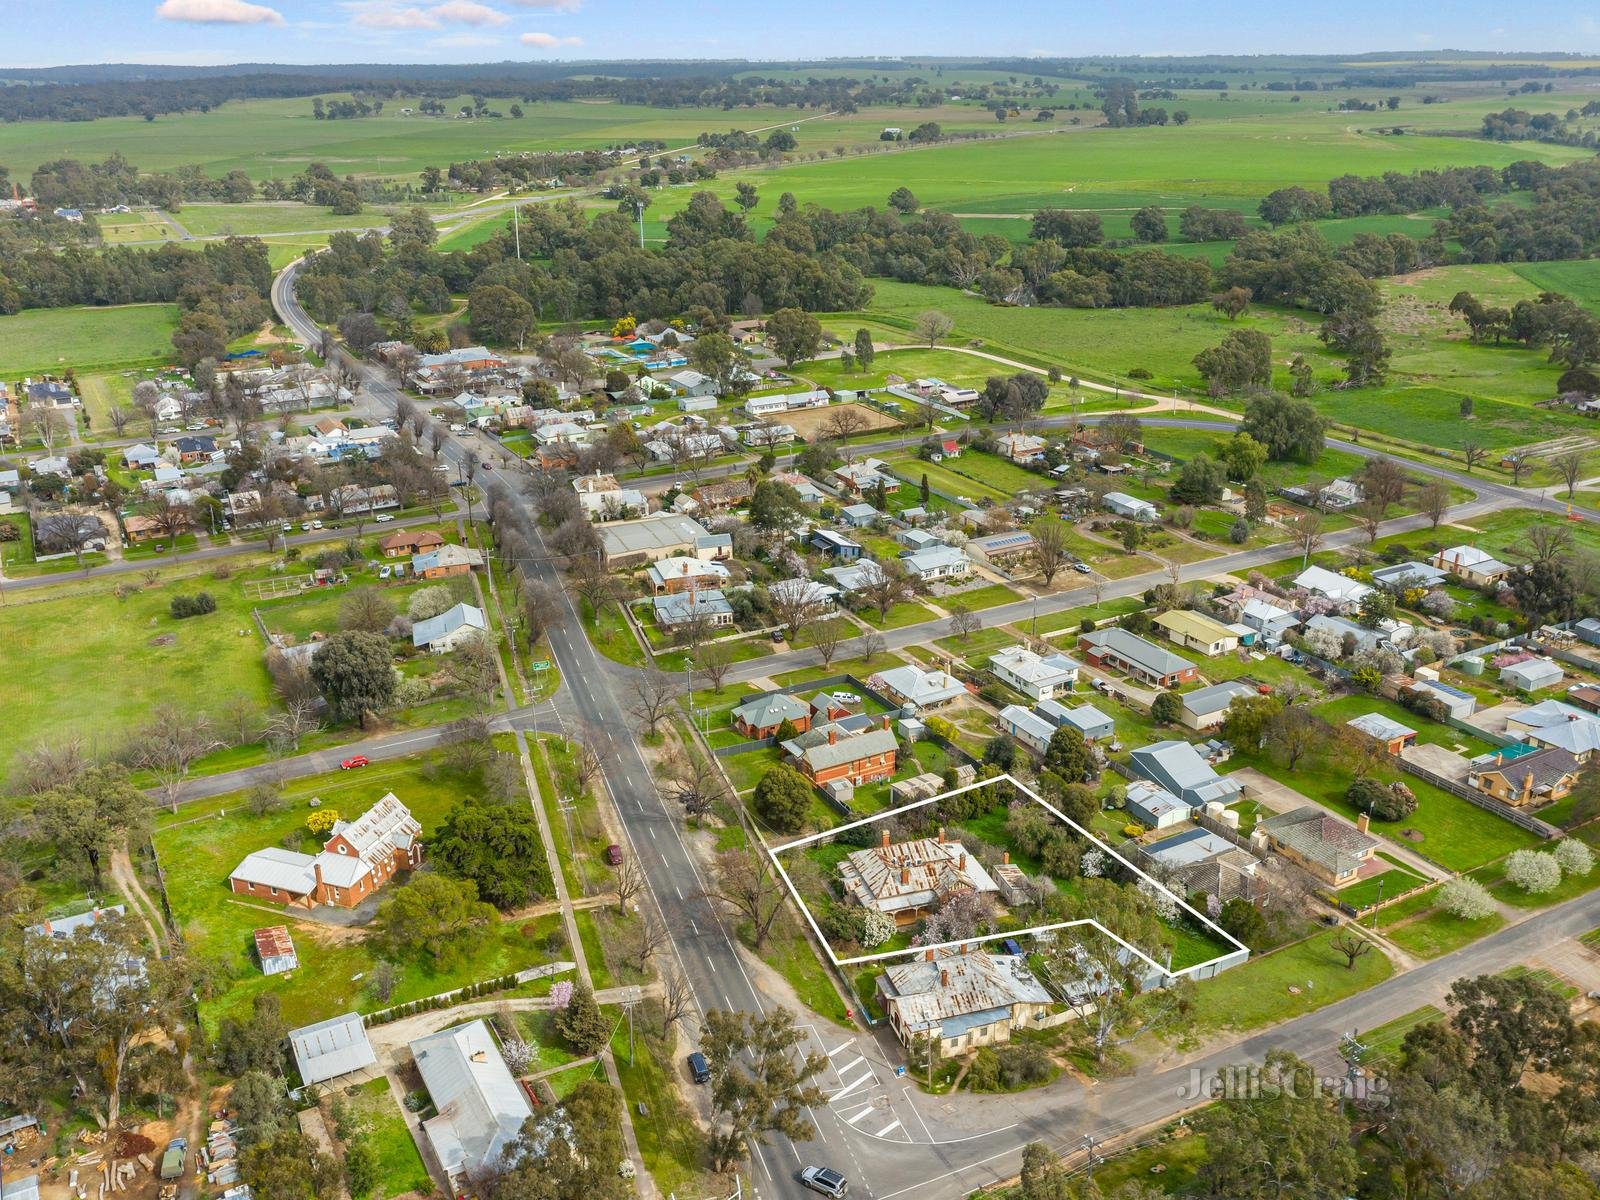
458	428
777	635
316	524
825	1180
699	1068
847	697
305	526
1082	568
359	760
614	854
383	518
385	572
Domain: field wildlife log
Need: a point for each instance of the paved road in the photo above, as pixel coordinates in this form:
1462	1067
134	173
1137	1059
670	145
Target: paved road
891	1141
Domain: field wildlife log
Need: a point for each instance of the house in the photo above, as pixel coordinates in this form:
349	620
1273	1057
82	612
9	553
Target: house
1001	548
650	538
834	545
194	449
1388	733
1116	649
962	1001
674	609
760	718
1535	778
766	406
1272	622
128	969
1130	507
357	860
724	494
912	687
1585	696
1021	447
767	434
332	1048
141	457
51	464
1204	709
1350	635
1153	806
406	542
47	393
1029	728
1088	720
1532	674
1579	738
1403	576
1329	848
1178	767
816	598
803	484
917	539
681	573
854	577
443	633
909	880
481	1107
275	950
1196	631
692	404
1036	678
937	563
1471	564
693	383
353	498
859	516
845	752
1341	589
446	561
865	476
1198	860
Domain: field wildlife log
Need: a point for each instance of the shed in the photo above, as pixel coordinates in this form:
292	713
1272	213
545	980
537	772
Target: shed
1532	674
331	1048
275	950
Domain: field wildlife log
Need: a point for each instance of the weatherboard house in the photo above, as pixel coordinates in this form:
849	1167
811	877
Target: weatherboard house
358	859
909	880
964	1000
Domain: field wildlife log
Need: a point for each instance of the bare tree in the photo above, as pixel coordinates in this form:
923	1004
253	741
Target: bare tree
627	883
1434	498
474	667
74	532
1049	553
653	696
242	718
844	422
541	608
1546	542
795	603
1306	533
1473	454
695	782
47	423
1369	515
591	582
586	767
46	766
714	662
1351	944
171	516
885	584
870	645
168	744
826	637
119	418
964	622
1295	732
677	999
745	882
933	327
1570	467
1520	464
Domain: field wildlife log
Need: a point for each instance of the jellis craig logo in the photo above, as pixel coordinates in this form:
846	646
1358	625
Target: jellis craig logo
1252	1083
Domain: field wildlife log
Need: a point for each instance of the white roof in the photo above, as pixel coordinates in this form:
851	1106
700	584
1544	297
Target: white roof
936	558
681	566
331	1048
276	867
424	633
481	1106
1331	584
917	686
1024	664
1029	723
1376	725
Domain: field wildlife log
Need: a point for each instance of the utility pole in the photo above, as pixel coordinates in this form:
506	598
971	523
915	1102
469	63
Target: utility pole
638	208
516	228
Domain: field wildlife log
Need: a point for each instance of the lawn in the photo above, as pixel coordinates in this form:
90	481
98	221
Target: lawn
612	636
201	846
1370	891
670	1142
400	1167
1284	984
990	596
86	339
1438	932
902	614
1383	1042
1338	712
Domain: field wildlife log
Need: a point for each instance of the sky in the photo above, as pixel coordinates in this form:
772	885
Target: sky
208	32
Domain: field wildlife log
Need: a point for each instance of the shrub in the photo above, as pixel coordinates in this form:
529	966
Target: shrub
1384	801
1534	871
1574	857
1365	793
1132	829
876	929
996	693
1466	898
782	799
1239	534
197	605
1166	708
430	602
322	820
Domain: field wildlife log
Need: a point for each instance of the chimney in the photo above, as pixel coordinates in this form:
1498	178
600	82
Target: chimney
1363	822
833	734
905	875
944	978
316	871
1527	787
961	863
479	1056
929	956
1005	857
963	947
885	842
941	835
883	721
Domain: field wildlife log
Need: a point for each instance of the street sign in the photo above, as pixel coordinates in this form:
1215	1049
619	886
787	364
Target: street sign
541	665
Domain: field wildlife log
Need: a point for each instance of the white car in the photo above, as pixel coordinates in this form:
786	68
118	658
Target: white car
383	518
385	572
847	697
458	428
316	524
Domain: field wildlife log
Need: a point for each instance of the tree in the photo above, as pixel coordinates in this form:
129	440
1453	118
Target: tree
495	846
1509	1021
1358	339
96	812
499	315
1285	1138
1351	944
1150	224
933	327
1243	359
1574	856
1472	454
1242	456
1305	531
474	667
1534	871
903	201
1050	551
1434	500
744	882
260	1104
199	335
570	1152
290	1167
826	637
434	916
360	1166
366	609
582	1024
540	605
964	622
1570	466
1466	898
1290	429
783	798
1199	481
1295	732
1069	756
694	781
355	673
760	1083
794	334
864	350
653	697
167	745
1166	708
714	661
1233	303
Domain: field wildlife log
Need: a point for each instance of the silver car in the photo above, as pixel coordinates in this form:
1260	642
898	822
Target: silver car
825	1180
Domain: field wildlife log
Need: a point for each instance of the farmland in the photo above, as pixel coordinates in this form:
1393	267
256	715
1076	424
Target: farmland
86	339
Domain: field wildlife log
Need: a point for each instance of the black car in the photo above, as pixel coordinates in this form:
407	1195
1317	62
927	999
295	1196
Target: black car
825	1180
699	1068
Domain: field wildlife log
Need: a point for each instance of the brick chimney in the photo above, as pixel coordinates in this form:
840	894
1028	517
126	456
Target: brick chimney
1363	822
929	956
1527	787
885	840
833	734
905	875
883	721
1005	856
944	978
963	947
961	863
941	835
316	871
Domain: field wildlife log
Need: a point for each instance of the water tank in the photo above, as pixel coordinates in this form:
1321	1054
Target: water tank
1230	818
1214	809
1469	664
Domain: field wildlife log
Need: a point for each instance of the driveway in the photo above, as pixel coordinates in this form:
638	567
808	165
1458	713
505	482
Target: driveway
1442	762
1281	798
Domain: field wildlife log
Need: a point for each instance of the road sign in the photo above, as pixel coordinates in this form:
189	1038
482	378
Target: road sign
541	665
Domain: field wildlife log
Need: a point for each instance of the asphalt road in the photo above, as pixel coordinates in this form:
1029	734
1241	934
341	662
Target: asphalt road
888	1140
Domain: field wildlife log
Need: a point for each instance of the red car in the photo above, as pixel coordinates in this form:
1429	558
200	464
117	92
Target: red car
350	764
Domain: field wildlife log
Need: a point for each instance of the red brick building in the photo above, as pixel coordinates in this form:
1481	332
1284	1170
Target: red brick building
358	859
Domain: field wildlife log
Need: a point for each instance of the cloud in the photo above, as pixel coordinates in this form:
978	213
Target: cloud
550	5
468	12
549	41
383	16
219	12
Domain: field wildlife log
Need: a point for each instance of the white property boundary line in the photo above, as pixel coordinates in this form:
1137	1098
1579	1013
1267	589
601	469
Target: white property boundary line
774	852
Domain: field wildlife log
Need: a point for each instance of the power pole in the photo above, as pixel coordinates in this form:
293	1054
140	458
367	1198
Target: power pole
516	228
638	208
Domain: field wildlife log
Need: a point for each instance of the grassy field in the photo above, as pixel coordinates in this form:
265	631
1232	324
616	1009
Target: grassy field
201	845
211	220
400	1168
1286	983
86	339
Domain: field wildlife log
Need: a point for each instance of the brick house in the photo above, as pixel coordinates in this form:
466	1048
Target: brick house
854	750
358	859
410	541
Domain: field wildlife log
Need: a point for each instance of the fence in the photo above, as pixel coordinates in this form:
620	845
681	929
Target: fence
483	987
1488	803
